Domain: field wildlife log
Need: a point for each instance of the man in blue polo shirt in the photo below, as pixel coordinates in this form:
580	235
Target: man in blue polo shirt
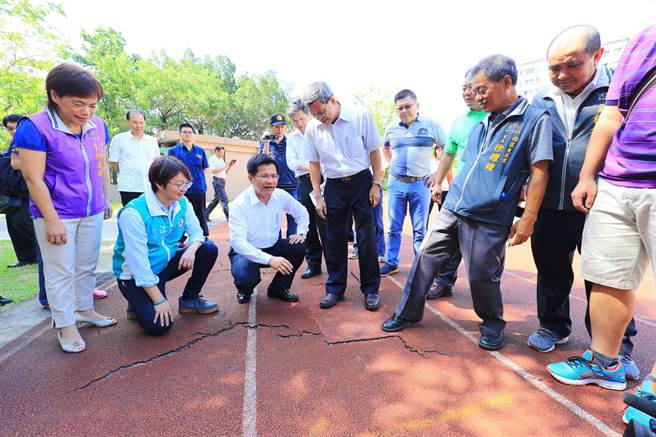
511	143
408	147
274	144
195	159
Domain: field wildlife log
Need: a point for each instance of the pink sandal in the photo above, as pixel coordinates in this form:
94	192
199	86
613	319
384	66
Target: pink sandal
99	294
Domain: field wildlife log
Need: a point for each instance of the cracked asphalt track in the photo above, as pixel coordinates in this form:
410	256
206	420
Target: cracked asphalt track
319	372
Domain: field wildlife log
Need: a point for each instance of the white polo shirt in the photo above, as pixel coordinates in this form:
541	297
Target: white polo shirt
296	155
255	225
215	163
342	147
134	156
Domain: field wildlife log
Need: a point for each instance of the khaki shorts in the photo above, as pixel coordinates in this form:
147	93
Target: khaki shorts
619	237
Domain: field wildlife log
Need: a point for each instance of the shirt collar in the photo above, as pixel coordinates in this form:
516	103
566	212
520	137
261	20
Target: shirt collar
416	120
601	79
155	207
58	124
344	113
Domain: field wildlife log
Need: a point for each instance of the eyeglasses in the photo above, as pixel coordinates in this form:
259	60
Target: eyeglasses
322	113
404	107
267	176
184	186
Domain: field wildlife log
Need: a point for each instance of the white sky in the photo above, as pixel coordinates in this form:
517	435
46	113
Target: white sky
423	45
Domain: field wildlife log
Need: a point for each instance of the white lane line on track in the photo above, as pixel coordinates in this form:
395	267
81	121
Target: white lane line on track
580	299
524	374
23	343
249	418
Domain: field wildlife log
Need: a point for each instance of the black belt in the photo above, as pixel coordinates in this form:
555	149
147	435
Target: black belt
304	176
408	179
349	178
216	177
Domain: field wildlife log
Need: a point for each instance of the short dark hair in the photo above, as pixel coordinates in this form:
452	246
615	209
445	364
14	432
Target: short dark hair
254	163
165	168
590	33
403	94
68	79
11	118
496	67
219	148
186	125
133	111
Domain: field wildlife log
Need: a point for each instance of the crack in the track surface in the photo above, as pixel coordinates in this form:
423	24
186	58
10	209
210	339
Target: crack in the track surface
421	352
231	326
201	336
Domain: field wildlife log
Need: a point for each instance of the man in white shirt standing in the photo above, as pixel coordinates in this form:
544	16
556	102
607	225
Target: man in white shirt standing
298	161
131	153
219	170
255	229
346	143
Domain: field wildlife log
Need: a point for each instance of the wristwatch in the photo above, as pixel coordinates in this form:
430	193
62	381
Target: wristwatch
379	183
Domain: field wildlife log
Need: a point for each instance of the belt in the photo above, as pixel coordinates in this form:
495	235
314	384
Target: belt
408	179
216	177
349	178
304	176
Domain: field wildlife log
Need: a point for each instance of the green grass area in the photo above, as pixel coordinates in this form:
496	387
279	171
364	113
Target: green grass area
18	284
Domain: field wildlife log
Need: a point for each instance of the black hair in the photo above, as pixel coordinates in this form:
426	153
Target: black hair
254	163
592	38
68	79
186	125
165	168
496	67
403	94
11	118
219	147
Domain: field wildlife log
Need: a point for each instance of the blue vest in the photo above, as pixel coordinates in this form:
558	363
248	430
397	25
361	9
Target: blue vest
488	186
569	153
163	235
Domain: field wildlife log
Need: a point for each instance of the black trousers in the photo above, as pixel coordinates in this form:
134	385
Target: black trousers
21	232
342	196
127	196
198	203
317	231
220	196
141	303
556	235
246	273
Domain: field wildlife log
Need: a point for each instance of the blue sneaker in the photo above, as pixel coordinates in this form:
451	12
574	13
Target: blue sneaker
630	368
645	391
582	371
388	269
545	340
196	305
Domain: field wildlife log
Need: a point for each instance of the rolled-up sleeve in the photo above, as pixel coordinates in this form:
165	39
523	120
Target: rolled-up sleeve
541	148
238	225
309	146
370	132
299	212
133	230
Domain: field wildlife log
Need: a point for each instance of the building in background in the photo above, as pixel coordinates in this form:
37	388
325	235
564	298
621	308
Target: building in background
534	76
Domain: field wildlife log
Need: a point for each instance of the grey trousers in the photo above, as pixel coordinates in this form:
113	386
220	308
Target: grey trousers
483	246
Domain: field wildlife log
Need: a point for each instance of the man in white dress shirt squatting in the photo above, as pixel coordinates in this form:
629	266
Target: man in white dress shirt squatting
346	143
131	153
255	224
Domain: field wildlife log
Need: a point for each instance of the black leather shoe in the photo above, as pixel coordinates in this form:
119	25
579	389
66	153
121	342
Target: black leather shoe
439	291
310	273
243	297
492	342
394	324
372	302
5	301
330	300
283	295
21	264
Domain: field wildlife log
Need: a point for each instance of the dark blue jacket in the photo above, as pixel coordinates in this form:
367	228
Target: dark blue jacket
287	178
569	150
496	163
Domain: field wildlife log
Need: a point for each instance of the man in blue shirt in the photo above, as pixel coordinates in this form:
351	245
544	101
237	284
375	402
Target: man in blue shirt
408	147
146	253
511	143
195	159
274	144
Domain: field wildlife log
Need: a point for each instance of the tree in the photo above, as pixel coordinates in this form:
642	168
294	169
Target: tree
28	49
381	105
